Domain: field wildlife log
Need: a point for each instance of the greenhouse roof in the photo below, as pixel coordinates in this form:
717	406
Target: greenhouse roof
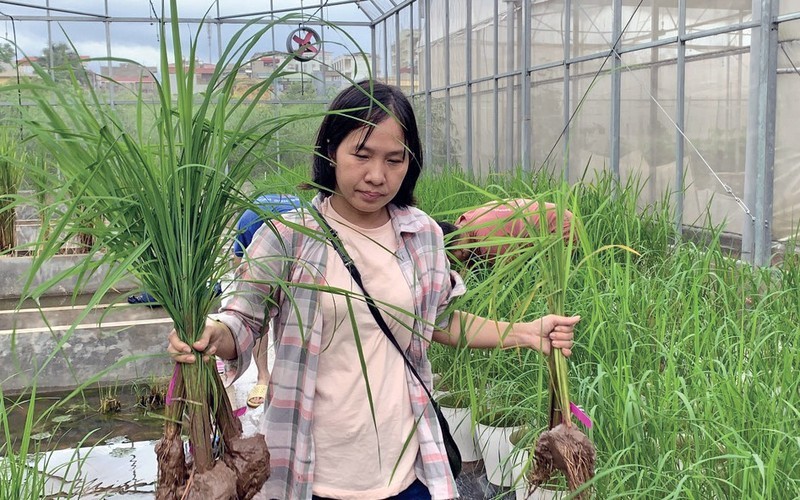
340	12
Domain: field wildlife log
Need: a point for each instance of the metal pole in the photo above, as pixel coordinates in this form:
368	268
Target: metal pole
654	129
468	39
510	86
566	87
374	55
495	90
411	50
428	100
527	131
574	90
49	41
759	165
385	51
397	48
616	86
447	116
518	137
219	37
109	66
680	118
324	67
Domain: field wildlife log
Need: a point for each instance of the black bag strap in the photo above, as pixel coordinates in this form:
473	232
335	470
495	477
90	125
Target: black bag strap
333	237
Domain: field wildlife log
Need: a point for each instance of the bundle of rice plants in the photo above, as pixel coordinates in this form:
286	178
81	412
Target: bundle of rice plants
563	446
166	191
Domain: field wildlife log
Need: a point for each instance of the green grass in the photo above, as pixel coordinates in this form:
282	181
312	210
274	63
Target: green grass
12	164
685	359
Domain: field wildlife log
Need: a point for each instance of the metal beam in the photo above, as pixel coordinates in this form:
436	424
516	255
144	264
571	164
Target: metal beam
495	89
400	6
447	115
287	10
397	49
565	109
527	136
760	154
468	142
109	67
184	20
510	45
428	100
53	9
616	86
680	119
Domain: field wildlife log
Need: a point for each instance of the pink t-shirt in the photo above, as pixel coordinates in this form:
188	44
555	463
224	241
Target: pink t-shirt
354	460
509	219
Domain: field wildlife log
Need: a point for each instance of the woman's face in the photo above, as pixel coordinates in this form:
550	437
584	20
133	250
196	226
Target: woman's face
368	178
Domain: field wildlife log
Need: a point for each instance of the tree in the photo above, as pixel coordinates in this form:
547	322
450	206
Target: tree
6	54
300	91
62	59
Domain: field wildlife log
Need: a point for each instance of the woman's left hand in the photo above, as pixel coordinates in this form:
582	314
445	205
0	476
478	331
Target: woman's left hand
546	333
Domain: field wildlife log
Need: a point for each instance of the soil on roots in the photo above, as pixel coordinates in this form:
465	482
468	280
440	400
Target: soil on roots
171	467
568	450
219	483
240	474
249	459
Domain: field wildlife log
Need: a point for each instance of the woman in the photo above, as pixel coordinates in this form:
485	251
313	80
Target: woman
476	233
328	437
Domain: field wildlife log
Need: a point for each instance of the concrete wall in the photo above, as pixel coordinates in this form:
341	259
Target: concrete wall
60	356
14	272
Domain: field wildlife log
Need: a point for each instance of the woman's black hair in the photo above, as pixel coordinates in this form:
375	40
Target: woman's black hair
366	102
448	228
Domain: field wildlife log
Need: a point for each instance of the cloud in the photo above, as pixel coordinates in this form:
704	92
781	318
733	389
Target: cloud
145	54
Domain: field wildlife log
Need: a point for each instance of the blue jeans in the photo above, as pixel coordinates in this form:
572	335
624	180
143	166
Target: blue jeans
417	491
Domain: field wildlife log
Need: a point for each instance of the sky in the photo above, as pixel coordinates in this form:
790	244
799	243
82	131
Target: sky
139	41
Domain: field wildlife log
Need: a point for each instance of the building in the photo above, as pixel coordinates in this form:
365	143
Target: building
351	67
134	77
203	73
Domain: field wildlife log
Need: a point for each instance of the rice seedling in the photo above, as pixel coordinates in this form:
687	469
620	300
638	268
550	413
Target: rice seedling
18	475
109	402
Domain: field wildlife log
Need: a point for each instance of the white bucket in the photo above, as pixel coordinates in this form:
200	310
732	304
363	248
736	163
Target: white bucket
460	420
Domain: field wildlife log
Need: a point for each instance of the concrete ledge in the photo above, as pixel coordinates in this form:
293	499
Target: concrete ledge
88	350
14	272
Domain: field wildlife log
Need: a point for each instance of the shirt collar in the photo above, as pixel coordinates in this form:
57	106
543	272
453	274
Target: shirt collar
405	220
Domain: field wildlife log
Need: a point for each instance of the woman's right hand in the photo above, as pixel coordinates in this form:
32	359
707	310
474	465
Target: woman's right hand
217	339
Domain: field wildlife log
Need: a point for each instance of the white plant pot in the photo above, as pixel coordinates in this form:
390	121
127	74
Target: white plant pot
496	451
519	471
437	395
460	420
541	493
519	468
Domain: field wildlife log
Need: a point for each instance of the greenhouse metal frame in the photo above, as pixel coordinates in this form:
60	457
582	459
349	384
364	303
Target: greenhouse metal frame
693	97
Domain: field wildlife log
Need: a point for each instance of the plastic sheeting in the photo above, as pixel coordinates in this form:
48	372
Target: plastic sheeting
717	94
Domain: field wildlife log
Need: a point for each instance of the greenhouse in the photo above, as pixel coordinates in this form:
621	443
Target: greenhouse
628	162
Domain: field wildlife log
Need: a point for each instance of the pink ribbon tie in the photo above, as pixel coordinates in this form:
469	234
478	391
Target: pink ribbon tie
580	415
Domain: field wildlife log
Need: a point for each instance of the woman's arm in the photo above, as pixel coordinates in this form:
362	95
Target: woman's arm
483	333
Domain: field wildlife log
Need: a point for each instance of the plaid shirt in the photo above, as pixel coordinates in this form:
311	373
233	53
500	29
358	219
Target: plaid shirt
283	255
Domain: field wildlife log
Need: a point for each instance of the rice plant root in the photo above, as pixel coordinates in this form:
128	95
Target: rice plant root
567	449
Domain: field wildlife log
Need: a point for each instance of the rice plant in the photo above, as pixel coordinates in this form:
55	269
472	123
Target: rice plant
12	162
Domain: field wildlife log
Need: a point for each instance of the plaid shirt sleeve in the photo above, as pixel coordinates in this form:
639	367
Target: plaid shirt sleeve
247	308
